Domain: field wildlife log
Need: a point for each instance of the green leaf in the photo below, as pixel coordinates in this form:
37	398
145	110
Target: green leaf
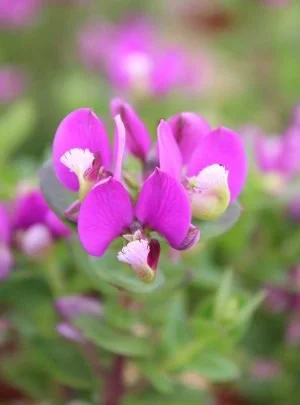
160	381
176	328
211	229
16	124
215	367
58	197
63	361
115	342
223	294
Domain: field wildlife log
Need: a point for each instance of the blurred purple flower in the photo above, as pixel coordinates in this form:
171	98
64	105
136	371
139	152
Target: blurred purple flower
72	306
6	259
292	334
12	83
19	13
277	299
134	59
264	369
277	3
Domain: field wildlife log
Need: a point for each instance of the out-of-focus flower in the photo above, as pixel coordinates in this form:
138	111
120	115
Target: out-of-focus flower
6	259
265	369
19	13
277	299
71	307
12	83
292	333
35	226
134	59
277	3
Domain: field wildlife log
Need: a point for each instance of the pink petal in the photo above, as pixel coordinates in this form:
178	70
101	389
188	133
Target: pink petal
188	129
170	160
105	214
224	147
119	147
138	140
80	129
164	207
5	226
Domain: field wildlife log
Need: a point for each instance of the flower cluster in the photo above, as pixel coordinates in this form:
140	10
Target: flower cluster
191	171
28	226
134	60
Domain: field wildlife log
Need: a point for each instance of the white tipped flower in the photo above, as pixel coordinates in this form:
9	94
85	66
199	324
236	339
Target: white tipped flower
210	192
136	254
36	240
78	161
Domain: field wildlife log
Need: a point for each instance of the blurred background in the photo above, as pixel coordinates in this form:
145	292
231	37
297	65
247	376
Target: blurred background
234	62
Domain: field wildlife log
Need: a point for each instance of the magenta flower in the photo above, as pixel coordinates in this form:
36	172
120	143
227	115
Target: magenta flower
212	165
214	162
19	13
12	83
107	213
81	158
133	58
6	259
36	227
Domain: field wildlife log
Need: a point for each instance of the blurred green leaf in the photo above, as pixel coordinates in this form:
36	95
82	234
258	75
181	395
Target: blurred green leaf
223	294
16	124
63	361
214	366
113	341
211	229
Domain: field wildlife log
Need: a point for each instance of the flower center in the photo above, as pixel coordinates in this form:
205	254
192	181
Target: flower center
78	161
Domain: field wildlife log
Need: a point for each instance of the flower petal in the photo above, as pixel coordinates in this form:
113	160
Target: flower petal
30	209
80	129
188	129
119	146
105	214
224	147
138	140
170	160
164	207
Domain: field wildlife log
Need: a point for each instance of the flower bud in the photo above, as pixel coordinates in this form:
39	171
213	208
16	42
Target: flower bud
210	195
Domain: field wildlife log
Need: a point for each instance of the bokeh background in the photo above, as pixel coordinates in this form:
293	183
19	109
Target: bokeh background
243	61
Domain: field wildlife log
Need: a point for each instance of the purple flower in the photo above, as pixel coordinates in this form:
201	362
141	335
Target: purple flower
6	259
277	299
292	333
215	162
19	13
107	213
264	369
12	83
133	59
72	306
36	227
277	3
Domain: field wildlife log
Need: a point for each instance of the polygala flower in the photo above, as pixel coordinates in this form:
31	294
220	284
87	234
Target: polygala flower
211	164
134	60
12	83
82	162
34	225
6	259
72	306
19	13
